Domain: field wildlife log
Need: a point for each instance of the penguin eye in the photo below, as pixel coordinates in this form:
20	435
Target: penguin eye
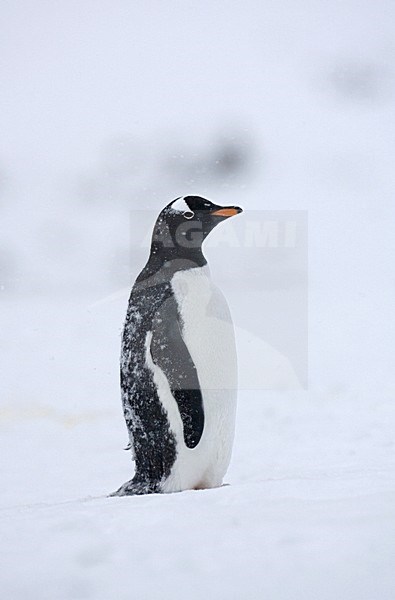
188	214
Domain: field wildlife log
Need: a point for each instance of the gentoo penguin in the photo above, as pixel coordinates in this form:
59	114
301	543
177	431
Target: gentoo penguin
178	359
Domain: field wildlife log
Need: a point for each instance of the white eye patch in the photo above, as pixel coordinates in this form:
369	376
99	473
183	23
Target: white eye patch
180	205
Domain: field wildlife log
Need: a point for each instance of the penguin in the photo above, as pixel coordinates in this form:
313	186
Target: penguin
178	370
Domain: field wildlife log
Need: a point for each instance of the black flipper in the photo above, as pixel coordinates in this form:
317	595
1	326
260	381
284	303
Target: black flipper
171	354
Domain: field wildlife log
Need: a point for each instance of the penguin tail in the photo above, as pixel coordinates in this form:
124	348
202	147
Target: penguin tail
137	488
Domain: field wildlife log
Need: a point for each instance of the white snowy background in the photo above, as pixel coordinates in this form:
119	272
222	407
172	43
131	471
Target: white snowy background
109	107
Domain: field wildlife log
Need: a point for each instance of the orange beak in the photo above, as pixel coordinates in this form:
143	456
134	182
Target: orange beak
227	211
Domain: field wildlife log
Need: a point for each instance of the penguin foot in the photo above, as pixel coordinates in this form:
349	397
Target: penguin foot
137	488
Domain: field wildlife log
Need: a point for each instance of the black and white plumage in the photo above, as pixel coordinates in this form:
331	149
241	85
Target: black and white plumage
178	359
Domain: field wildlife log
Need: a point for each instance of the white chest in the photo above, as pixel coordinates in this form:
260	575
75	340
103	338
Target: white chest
207	328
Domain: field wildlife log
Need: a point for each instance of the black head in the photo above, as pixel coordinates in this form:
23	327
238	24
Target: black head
184	224
179	232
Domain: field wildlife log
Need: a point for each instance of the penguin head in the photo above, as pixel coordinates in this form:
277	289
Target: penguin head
184	224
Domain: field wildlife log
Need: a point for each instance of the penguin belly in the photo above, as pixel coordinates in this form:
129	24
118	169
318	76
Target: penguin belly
208	333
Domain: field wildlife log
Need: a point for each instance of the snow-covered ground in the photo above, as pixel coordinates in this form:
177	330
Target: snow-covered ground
110	108
309	512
